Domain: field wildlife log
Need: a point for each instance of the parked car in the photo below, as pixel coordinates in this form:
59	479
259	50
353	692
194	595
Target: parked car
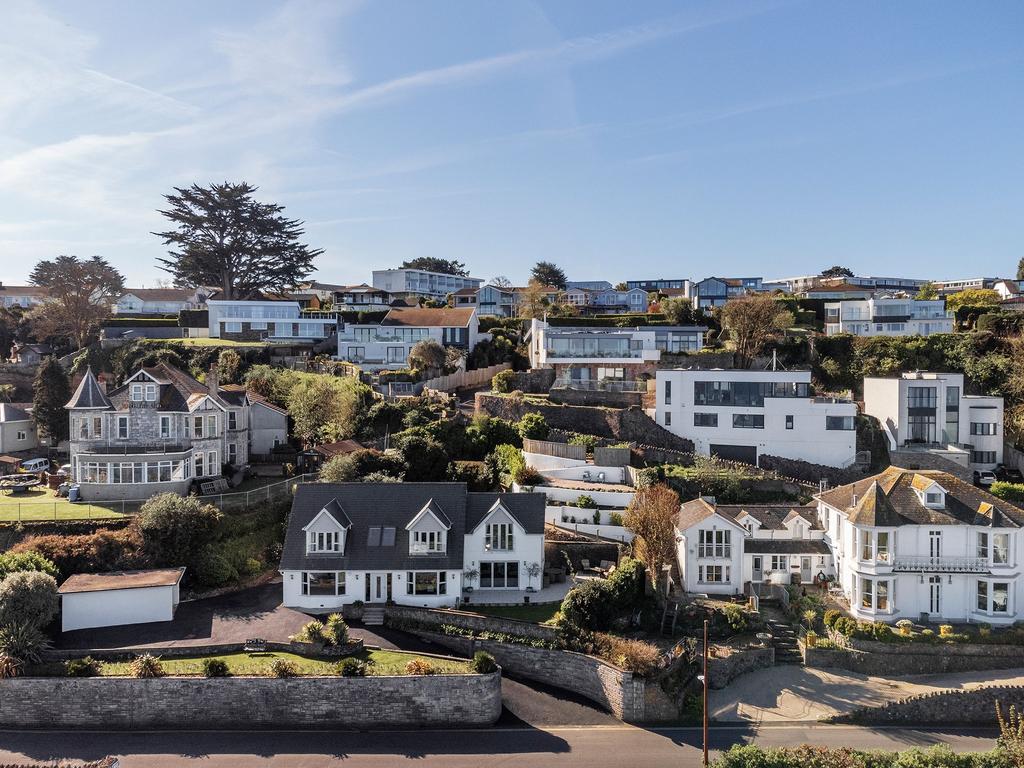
1009	474
985	478
34	466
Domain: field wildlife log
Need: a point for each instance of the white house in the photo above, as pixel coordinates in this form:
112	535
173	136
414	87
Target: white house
888	317
89	600
154	301
607	300
417	544
17	428
744	414
404	282
924	545
25	296
929	412
268	319
587	357
722	548
387	344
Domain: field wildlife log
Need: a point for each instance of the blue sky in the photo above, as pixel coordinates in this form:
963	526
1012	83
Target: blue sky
620	140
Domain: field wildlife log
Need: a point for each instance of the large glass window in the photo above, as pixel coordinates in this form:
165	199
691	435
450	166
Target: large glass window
713	574
983	428
499	536
427	583
839	423
323	583
748	421
705	419
993	597
874	594
714	543
921	428
921	397
983	457
745	393
1001	548
499	575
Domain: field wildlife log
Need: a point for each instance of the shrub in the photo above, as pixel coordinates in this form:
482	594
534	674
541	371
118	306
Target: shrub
845	626
312	632
86	667
589	606
215	668
585	502
10	666
146	665
528	476
213	569
533	426
282	668
829	619
24	641
1007	491
419	667
589	442
633	655
736	616
28	597
105	550
614	518
12	562
483	663
503	381
336	630
351	667
175	529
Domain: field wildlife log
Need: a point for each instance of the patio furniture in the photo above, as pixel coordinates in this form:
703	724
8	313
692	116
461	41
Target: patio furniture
586	475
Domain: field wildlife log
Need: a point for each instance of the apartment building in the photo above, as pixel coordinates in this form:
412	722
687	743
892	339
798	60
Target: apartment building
597	358
926	546
269	319
742	415
946	287
929	412
722	547
404	282
386	345
888	317
662	284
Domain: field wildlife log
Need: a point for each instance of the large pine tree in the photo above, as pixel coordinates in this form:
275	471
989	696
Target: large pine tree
51	392
225	238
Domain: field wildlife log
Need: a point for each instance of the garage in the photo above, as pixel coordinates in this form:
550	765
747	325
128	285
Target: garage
745	453
91	600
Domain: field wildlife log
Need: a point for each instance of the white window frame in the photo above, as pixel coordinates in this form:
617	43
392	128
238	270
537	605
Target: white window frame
323	542
125	422
499	537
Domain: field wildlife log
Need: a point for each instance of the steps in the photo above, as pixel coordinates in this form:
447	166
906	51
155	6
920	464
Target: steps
784	641
373	616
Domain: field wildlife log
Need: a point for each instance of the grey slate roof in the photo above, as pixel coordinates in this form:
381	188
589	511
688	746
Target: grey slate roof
393	505
785	547
11	412
89	393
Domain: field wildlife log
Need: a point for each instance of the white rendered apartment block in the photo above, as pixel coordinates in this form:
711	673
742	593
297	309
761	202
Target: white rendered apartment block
596	357
929	412
721	548
268	320
742	415
888	317
924	545
420	282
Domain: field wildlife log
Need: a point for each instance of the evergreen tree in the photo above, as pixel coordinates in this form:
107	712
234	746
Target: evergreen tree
51	393
434	264
548	273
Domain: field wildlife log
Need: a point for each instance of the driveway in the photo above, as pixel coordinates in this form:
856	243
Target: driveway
790	692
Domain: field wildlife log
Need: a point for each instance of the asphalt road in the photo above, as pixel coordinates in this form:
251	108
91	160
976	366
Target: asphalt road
594	746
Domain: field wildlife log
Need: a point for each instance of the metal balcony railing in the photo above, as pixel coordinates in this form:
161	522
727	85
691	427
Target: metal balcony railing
600	385
925	564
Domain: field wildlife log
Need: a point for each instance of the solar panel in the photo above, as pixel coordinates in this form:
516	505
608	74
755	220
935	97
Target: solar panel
388	538
373	537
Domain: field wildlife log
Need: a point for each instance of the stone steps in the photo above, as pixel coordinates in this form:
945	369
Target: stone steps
784	637
373	617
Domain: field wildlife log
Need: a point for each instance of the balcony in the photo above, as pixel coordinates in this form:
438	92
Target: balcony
940	564
424	549
600	385
594	354
127	448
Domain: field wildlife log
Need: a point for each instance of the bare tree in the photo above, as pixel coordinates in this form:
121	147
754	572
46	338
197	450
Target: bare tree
81	292
651	516
751	322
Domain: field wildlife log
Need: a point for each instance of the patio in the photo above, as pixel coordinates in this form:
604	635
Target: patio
554	593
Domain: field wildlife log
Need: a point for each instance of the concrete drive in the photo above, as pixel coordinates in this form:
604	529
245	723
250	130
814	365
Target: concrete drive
788	693
551	747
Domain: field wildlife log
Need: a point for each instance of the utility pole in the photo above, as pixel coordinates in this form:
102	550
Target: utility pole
705	676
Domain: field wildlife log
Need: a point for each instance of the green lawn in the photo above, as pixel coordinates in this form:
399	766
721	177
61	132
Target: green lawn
537	613
43	504
258	664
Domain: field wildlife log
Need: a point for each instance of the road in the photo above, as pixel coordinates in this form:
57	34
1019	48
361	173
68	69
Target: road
594	746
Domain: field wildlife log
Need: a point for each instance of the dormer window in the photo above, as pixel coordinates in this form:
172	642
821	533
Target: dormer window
323	541
933	499
427	542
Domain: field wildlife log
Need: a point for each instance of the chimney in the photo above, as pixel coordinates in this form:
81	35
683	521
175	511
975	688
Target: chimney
101	380
211	381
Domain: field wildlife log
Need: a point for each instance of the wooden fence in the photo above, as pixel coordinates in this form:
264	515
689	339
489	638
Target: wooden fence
458	379
560	450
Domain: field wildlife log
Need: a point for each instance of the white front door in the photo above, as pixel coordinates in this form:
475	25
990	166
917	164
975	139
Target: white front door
805	570
757	568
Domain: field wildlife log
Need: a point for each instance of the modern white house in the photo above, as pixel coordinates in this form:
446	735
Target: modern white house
926	546
744	414
720	548
17	428
90	600
361	298
156	301
404	282
25	296
422	544
160	431
269	319
929	412
888	317
620	359
386	345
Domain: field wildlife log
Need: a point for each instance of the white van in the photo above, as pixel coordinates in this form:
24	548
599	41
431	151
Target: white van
35	466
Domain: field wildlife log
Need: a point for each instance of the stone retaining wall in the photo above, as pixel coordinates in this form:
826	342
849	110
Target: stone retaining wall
179	651
395	615
722	670
892	659
973	707
438	701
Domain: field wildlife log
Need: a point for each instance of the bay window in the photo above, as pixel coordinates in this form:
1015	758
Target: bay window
874	595
993	597
1001	548
874	546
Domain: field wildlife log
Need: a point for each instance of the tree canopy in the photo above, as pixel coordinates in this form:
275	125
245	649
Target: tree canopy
548	273
751	321
927	291
80	294
651	516
434	264
225	238
837	271
50	393
501	282
427	355
533	302
972	297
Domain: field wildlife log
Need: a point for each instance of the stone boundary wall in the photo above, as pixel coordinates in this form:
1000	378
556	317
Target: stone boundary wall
534	382
619	424
395	615
596	397
179	651
435	701
809	472
892	659
723	670
973	707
